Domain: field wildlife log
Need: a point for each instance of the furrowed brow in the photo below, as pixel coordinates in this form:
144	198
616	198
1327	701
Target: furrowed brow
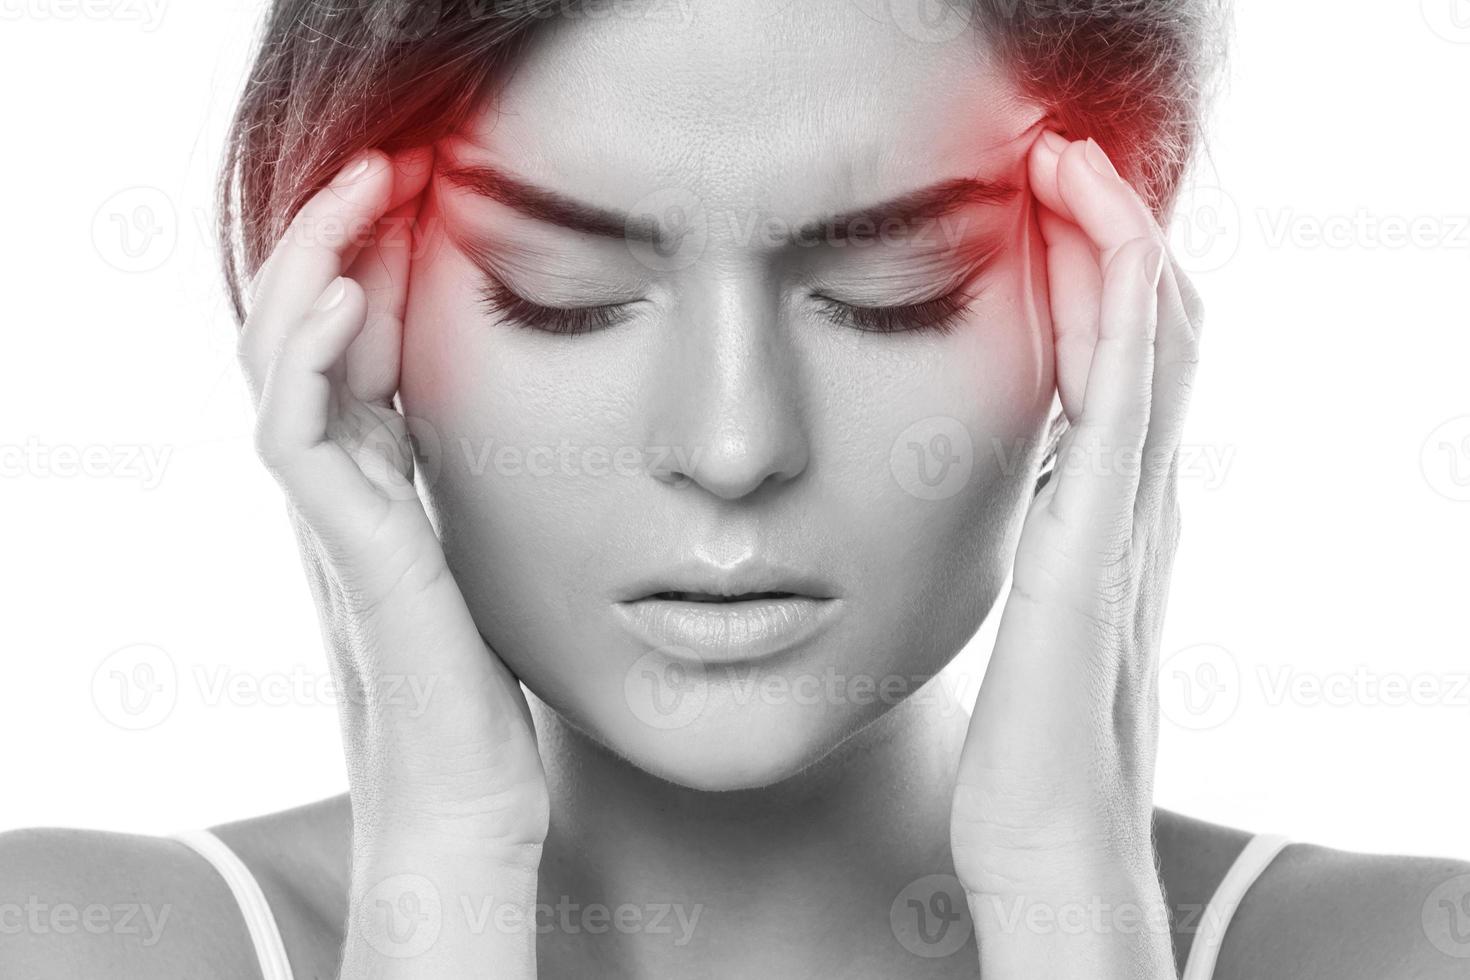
909	212
551	207
902	215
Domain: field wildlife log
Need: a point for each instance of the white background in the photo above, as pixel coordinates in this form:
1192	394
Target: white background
1327	521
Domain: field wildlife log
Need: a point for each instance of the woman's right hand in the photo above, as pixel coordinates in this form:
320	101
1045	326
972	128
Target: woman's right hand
449	798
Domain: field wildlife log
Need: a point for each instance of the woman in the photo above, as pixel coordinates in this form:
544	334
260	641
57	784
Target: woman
734	342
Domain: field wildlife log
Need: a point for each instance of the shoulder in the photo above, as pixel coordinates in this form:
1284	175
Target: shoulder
1323	912
89	903
1316	911
93	903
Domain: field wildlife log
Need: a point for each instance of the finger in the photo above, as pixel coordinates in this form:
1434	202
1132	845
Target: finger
311	253
373	360
409	173
1074	274
1074	285
1176	357
1041	171
1088	189
382	269
1100	468
321	241
320	478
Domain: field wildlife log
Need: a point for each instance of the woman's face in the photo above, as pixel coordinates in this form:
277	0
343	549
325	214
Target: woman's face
812	360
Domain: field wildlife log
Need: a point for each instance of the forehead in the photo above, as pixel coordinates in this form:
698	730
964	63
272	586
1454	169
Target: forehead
790	106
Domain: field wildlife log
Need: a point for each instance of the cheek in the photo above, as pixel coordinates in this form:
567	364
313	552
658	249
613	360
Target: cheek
523	450
937	447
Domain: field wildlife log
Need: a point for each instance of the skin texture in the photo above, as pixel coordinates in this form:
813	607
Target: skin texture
830	808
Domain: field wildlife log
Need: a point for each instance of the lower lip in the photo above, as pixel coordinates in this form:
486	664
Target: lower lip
727	632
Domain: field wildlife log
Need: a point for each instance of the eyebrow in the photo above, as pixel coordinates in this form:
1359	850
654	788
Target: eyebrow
926	204
912	209
550	206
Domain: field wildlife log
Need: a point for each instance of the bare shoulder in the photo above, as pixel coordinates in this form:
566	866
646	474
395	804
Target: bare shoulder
87	903
1320	912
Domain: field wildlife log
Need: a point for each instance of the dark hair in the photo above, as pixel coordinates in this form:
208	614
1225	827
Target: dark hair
334	77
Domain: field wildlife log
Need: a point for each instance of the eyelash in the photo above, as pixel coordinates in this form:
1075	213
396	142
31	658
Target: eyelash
938	315
497	299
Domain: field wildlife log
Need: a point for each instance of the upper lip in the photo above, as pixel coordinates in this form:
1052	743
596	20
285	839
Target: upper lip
754	575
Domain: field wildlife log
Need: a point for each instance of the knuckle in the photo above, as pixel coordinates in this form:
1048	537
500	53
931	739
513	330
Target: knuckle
269	441
263	272
247	340
1115	584
245	360
243	356
1193	303
291	345
268	444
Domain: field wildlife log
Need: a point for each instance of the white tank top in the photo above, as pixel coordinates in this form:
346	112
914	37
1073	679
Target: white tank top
271	951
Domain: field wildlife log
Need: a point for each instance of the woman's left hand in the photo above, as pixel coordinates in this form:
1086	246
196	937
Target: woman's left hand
1051	829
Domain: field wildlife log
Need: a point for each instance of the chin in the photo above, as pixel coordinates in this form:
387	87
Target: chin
716	766
730	742
715	762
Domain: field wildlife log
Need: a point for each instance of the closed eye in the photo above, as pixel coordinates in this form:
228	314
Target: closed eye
940	314
501	302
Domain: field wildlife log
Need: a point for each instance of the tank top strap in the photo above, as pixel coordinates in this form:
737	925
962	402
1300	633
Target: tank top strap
1252	861
265	936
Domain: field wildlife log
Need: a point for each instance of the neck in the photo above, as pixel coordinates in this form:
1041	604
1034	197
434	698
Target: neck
805	868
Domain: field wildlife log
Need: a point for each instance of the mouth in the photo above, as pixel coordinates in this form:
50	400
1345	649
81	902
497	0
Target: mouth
709	597
722	624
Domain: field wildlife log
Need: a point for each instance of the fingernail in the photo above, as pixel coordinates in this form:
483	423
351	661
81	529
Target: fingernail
353	171
1054	141
332	295
1153	266
1098	160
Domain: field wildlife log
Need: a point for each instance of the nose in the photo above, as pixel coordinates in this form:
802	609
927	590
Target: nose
727	413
